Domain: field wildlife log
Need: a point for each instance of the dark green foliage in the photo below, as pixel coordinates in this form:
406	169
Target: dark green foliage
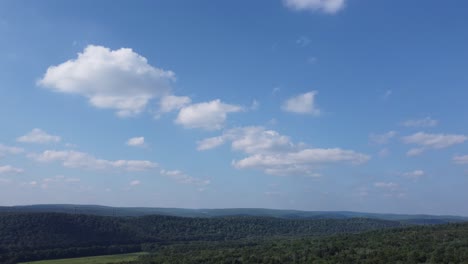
441	244
54	235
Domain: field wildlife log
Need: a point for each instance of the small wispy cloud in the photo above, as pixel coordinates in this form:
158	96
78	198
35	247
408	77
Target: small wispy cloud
325	6
382	139
416	174
136	142
302	104
135	183
38	136
432	141
424	122
303	41
7	169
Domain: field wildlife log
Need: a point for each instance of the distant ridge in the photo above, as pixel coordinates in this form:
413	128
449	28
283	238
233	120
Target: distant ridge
287	214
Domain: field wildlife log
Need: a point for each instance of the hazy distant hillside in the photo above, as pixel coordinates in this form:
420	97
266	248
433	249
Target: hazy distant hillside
289	214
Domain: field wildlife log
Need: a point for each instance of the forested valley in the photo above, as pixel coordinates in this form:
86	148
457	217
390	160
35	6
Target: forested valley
229	239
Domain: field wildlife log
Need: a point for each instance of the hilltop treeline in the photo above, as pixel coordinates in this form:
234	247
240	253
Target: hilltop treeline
428	244
32	236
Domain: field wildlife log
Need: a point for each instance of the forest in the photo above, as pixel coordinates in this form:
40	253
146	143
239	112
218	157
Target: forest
36	236
423	244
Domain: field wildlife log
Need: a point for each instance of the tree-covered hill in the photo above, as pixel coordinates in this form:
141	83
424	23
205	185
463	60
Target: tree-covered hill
288	214
27	236
443	244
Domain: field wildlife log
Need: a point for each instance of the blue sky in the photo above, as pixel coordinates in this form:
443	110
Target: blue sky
301	104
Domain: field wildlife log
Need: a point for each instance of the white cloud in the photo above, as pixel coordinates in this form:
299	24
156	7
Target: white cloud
7	169
461	159
38	136
414	152
181	177
249	140
414	174
136	142
382	139
210	143
299	162
302	104
326	6
208	115
112	79
135	183
75	159
4	150
432	141
171	103
276	154
425	122
386	185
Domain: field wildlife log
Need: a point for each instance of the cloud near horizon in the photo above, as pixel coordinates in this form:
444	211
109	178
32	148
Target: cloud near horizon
5	150
276	154
38	136
426	141
75	159
8	169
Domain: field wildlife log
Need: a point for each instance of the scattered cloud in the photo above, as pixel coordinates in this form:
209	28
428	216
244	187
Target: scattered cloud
38	136
210	143
414	152
303	41
275	90
382	139
384	152
386	185
387	94
75	159
299	162
111	79
7	169
136	142
135	183
250	140
432	141
425	122
326	6
461	159
5	181
416	174
208	115
312	60
171	103
59	179
6	150
255	105
181	177
302	104
276	154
